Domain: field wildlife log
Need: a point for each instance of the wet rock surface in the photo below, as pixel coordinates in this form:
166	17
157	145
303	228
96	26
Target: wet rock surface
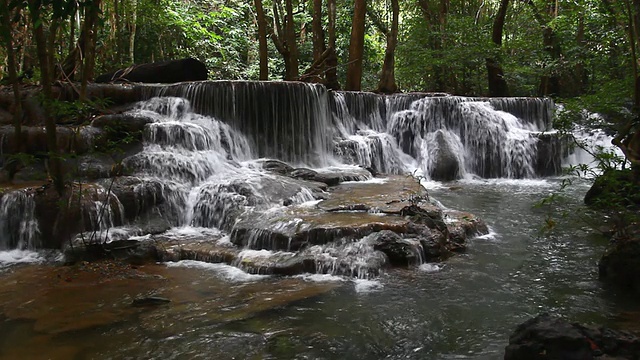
550	337
446	166
620	265
375	223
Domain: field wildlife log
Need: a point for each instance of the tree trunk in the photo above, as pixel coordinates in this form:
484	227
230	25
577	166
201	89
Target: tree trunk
92	11
51	46
356	47
550	82
318	33
332	59
290	38
55	169
72	32
7	38
581	77
262	41
497	84
116	32
132	35
387	82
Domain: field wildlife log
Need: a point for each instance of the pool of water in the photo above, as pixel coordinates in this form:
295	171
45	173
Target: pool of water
464	308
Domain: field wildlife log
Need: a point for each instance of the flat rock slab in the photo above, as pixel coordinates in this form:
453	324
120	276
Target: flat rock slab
353	209
386	195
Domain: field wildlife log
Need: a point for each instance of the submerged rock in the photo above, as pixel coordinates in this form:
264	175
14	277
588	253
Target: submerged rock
150	301
399	251
550	337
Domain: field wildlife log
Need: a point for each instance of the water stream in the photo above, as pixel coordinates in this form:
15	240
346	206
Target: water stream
203	155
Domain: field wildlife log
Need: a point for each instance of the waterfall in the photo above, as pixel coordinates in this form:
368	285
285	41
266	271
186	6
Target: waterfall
282	120
449	137
200	160
18	225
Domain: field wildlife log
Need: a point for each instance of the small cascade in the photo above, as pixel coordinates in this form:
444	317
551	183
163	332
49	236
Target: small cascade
449	137
353	258
100	212
465	136
18	224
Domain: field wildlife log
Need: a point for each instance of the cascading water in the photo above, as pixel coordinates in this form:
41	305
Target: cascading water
286	121
18	232
200	166
204	174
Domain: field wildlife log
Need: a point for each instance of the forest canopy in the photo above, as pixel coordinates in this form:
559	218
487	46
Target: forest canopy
541	47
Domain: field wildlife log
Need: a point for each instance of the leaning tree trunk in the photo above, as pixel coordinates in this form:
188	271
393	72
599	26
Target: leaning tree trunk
262	41
497	84
387	82
356	47
332	59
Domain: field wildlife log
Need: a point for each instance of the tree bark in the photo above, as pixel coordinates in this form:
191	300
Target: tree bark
497	84
262	41
55	168
7	38
332	58
356	47
387	82
318	32
92	11
132	35
290	36
284	38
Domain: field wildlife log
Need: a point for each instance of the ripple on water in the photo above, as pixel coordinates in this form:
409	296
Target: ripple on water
226	272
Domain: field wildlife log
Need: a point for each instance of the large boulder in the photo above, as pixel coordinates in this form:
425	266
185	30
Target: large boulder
166	72
620	265
552	338
399	251
615	189
445	165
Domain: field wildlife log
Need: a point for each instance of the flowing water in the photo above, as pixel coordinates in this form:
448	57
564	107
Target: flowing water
201	155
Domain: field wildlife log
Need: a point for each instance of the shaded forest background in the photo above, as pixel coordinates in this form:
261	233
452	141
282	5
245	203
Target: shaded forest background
543	47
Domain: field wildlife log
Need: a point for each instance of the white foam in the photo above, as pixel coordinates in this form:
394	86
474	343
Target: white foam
431	268
225	241
226	272
491	236
509	182
367	286
19	257
376	180
190	232
141	237
320	277
253	254
310	204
